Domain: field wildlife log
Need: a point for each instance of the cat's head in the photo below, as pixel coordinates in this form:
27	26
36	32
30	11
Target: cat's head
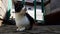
18	6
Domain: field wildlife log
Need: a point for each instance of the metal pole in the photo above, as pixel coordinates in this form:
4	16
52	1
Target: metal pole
9	8
35	9
43	11
23	1
42	4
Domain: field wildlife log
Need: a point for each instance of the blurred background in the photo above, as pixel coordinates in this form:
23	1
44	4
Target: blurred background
45	12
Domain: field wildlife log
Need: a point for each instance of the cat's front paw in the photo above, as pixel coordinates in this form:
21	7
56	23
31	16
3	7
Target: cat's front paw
21	30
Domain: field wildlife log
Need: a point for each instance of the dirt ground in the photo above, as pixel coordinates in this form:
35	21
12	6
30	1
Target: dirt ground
45	29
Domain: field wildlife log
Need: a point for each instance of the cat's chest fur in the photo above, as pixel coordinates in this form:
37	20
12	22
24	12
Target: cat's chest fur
21	20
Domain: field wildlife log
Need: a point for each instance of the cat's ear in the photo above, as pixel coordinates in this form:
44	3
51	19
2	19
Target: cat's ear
24	8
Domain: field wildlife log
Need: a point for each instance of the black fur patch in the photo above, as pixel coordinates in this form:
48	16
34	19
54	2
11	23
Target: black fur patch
18	6
31	20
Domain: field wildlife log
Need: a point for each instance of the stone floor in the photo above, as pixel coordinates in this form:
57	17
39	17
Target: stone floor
45	29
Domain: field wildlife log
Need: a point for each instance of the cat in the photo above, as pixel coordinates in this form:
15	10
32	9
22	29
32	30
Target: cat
23	20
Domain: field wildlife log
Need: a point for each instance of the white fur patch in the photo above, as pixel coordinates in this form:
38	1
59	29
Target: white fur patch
22	29
21	21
